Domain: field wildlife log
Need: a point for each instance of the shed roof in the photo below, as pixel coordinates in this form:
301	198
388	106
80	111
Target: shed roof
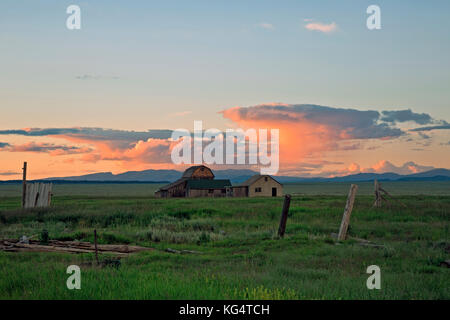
255	178
208	184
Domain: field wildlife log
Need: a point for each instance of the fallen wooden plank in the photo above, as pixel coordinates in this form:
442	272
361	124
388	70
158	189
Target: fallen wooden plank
170	250
86	245
70	246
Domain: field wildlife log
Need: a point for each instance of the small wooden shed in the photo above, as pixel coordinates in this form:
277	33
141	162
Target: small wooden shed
258	186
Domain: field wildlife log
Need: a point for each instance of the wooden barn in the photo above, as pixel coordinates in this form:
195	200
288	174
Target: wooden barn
196	181
258	186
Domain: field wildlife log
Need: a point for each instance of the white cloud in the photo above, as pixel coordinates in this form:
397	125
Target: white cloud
180	114
267	26
322	27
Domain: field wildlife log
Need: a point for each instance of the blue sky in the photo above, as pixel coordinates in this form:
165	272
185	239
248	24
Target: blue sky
210	55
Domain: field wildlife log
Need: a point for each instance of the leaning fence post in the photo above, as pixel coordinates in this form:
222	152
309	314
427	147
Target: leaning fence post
347	212
377	203
284	215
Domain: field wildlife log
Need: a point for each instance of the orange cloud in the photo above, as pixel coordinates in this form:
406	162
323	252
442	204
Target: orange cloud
130	149
308	136
382	166
410	167
312	129
151	151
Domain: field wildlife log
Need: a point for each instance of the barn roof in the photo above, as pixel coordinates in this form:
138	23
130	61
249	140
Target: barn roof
208	184
190	171
253	179
173	184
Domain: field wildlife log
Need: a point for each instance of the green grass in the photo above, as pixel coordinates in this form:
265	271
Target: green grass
310	188
241	257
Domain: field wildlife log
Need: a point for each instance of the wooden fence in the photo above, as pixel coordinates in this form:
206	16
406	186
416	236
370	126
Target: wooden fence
38	195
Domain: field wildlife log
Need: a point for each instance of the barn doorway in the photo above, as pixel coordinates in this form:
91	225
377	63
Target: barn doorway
274	192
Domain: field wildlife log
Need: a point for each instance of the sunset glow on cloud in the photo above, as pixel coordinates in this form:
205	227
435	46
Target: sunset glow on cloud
308	130
314	140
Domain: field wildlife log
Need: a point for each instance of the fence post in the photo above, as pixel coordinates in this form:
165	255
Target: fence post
347	212
95	244
377	203
24	184
284	215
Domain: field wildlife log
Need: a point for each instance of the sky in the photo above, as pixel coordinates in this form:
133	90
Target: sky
345	98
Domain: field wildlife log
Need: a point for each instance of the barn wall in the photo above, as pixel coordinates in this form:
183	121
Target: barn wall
194	193
239	191
177	191
266	188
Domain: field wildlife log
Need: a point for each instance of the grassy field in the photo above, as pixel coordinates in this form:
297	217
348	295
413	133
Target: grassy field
328	188
239	256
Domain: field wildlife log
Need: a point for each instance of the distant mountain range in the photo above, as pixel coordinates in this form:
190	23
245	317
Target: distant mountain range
237	176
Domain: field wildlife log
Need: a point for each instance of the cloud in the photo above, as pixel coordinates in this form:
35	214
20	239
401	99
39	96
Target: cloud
406	115
346	123
9	173
96	77
180	114
321	27
128	147
308	132
424	136
44	148
151	151
267	26
348	147
308	129
143	152
445	126
117	138
410	167
382	166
